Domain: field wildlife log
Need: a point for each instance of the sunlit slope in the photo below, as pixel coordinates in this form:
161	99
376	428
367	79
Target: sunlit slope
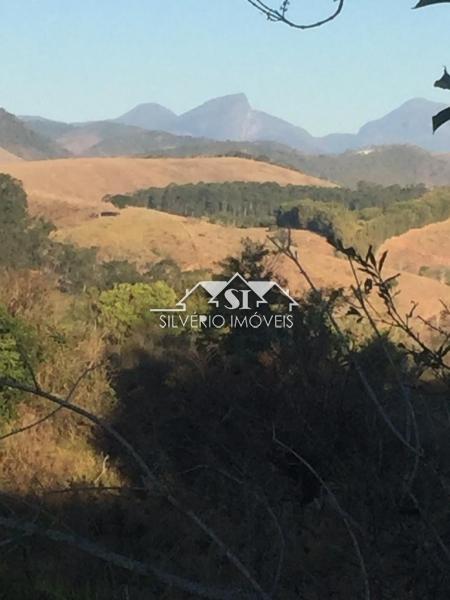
425	247
71	190
144	236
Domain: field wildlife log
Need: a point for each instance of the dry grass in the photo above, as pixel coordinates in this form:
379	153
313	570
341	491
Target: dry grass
69	191
144	236
53	455
428	246
62	450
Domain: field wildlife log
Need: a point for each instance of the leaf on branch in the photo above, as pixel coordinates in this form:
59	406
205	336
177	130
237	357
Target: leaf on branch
444	81
423	3
390	280
441	118
370	257
382	260
368	285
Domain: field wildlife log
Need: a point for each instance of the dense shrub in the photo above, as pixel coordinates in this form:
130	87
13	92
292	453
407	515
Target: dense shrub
126	306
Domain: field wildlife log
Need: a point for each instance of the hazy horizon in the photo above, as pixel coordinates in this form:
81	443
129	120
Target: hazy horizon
303	125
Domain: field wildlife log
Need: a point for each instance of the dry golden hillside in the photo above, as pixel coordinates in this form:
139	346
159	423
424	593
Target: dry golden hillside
425	247
144	236
70	190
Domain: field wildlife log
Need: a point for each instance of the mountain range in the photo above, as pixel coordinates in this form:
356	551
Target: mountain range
397	148
232	118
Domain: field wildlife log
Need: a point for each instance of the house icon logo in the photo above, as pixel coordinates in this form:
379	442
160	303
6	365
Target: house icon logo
237	302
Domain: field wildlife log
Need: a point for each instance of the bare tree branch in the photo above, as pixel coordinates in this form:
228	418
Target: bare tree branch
144	569
281	15
150	480
31	426
37	386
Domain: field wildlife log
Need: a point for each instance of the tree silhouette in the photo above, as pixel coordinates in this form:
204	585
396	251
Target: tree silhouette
443	83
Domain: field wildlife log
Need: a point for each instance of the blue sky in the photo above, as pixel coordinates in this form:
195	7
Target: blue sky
94	59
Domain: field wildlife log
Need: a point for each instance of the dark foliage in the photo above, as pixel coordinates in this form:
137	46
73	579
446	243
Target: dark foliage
365	216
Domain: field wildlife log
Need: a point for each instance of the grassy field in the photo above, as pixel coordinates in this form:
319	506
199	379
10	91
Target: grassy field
71	190
145	236
70	193
425	247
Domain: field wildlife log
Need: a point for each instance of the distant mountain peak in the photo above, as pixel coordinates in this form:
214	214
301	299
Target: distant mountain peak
149	115
232	118
229	99
418	103
222	118
150	106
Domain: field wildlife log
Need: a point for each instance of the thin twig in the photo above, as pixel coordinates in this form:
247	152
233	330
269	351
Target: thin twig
287	251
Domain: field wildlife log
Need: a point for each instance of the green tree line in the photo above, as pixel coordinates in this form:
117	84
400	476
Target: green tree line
367	215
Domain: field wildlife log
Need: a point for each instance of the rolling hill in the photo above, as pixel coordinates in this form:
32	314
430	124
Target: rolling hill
386	165
71	190
421	248
46	127
114	139
94	139
18	139
144	236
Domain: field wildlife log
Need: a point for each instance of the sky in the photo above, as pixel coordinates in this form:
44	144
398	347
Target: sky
77	60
